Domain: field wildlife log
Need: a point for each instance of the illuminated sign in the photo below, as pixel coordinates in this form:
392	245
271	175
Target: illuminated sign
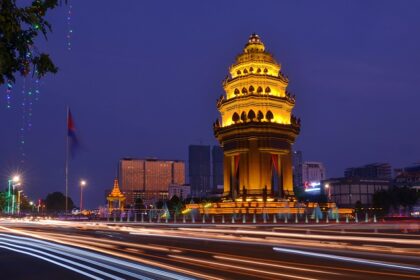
312	186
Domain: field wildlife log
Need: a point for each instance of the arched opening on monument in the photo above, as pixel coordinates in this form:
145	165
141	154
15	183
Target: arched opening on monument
251	115
235	117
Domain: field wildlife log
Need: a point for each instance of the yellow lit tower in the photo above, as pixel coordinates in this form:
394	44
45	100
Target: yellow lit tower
257	128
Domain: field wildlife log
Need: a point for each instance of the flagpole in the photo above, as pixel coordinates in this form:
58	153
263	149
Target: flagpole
67	160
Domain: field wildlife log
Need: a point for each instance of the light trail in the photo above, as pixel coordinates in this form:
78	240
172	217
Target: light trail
75	253
273	241
309	236
241	260
63	260
348	259
124	256
242	268
172	258
54	262
349	231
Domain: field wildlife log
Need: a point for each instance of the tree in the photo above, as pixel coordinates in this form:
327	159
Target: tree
56	202
381	201
3	201
394	199
358	206
19	27
175	204
138	204
24	204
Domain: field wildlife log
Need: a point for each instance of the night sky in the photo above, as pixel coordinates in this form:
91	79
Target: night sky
143	77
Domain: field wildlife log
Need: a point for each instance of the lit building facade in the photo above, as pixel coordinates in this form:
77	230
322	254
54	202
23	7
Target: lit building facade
199	170
313	172
149	179
345	192
256	129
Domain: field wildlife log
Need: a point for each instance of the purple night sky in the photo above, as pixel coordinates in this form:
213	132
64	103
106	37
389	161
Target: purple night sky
143	77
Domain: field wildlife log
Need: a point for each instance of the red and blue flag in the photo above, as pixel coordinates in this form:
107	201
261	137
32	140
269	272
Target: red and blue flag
71	134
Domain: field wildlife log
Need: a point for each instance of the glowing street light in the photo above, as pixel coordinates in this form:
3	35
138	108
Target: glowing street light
12	182
327	186
82	185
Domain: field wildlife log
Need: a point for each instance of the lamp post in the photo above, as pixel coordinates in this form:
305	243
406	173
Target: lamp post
327	186
31	203
18	202
14	181
82	185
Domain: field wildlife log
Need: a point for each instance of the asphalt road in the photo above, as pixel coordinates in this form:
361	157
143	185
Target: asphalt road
135	251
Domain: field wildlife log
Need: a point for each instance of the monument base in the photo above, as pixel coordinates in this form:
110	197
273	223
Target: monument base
264	207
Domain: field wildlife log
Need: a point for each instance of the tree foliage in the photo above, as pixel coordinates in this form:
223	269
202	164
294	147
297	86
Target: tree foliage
56	202
139	204
395	199
3	201
19	27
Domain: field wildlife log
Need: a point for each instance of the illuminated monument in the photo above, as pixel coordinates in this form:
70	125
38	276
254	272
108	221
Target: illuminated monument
116	199
256	131
257	127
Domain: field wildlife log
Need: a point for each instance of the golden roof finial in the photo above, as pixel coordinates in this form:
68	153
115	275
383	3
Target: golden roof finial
254	44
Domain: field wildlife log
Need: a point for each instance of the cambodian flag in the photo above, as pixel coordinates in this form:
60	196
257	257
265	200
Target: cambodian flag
71	134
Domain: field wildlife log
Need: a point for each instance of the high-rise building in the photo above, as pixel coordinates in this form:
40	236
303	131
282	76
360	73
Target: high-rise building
370	171
313	172
149	179
217	167
199	170
297	169
257	128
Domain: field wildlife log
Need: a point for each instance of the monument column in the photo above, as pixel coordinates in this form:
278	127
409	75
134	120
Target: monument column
227	176
287	176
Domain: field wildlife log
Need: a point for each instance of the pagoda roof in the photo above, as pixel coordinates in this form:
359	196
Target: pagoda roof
116	192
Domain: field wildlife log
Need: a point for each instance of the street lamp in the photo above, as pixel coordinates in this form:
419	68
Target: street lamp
31	203
18	202
327	186
82	185
12	182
